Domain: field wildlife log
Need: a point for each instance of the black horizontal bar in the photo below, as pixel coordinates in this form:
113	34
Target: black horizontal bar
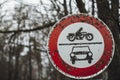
61	44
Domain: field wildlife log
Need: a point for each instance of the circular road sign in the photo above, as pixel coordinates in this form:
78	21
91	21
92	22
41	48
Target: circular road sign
80	46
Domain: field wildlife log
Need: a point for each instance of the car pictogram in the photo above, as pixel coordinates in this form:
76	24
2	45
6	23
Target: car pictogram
80	53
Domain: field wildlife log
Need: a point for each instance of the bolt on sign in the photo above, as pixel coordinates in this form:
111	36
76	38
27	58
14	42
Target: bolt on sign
80	46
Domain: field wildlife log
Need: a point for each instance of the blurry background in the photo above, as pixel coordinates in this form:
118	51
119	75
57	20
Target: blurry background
24	28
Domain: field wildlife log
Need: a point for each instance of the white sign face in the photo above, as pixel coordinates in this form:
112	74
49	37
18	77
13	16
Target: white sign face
86	45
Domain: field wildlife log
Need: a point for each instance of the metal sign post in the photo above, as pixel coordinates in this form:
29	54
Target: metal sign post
80	46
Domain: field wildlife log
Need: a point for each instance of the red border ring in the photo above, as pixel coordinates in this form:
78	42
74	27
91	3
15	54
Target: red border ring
80	73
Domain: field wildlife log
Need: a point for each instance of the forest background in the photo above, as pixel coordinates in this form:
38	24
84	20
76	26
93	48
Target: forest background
24	28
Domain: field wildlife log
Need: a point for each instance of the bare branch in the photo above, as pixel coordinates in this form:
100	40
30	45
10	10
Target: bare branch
3	3
29	30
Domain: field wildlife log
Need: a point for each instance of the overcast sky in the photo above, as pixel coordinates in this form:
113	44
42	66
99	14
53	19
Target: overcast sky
11	3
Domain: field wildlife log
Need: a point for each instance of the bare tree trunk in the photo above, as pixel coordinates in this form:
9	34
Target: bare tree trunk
10	68
65	7
81	6
25	72
93	7
105	13
115	11
70	6
17	55
30	63
30	59
16	67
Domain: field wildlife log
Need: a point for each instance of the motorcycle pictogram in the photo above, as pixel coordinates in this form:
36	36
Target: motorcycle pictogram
79	35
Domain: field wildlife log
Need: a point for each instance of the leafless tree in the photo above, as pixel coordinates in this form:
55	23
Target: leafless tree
24	33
